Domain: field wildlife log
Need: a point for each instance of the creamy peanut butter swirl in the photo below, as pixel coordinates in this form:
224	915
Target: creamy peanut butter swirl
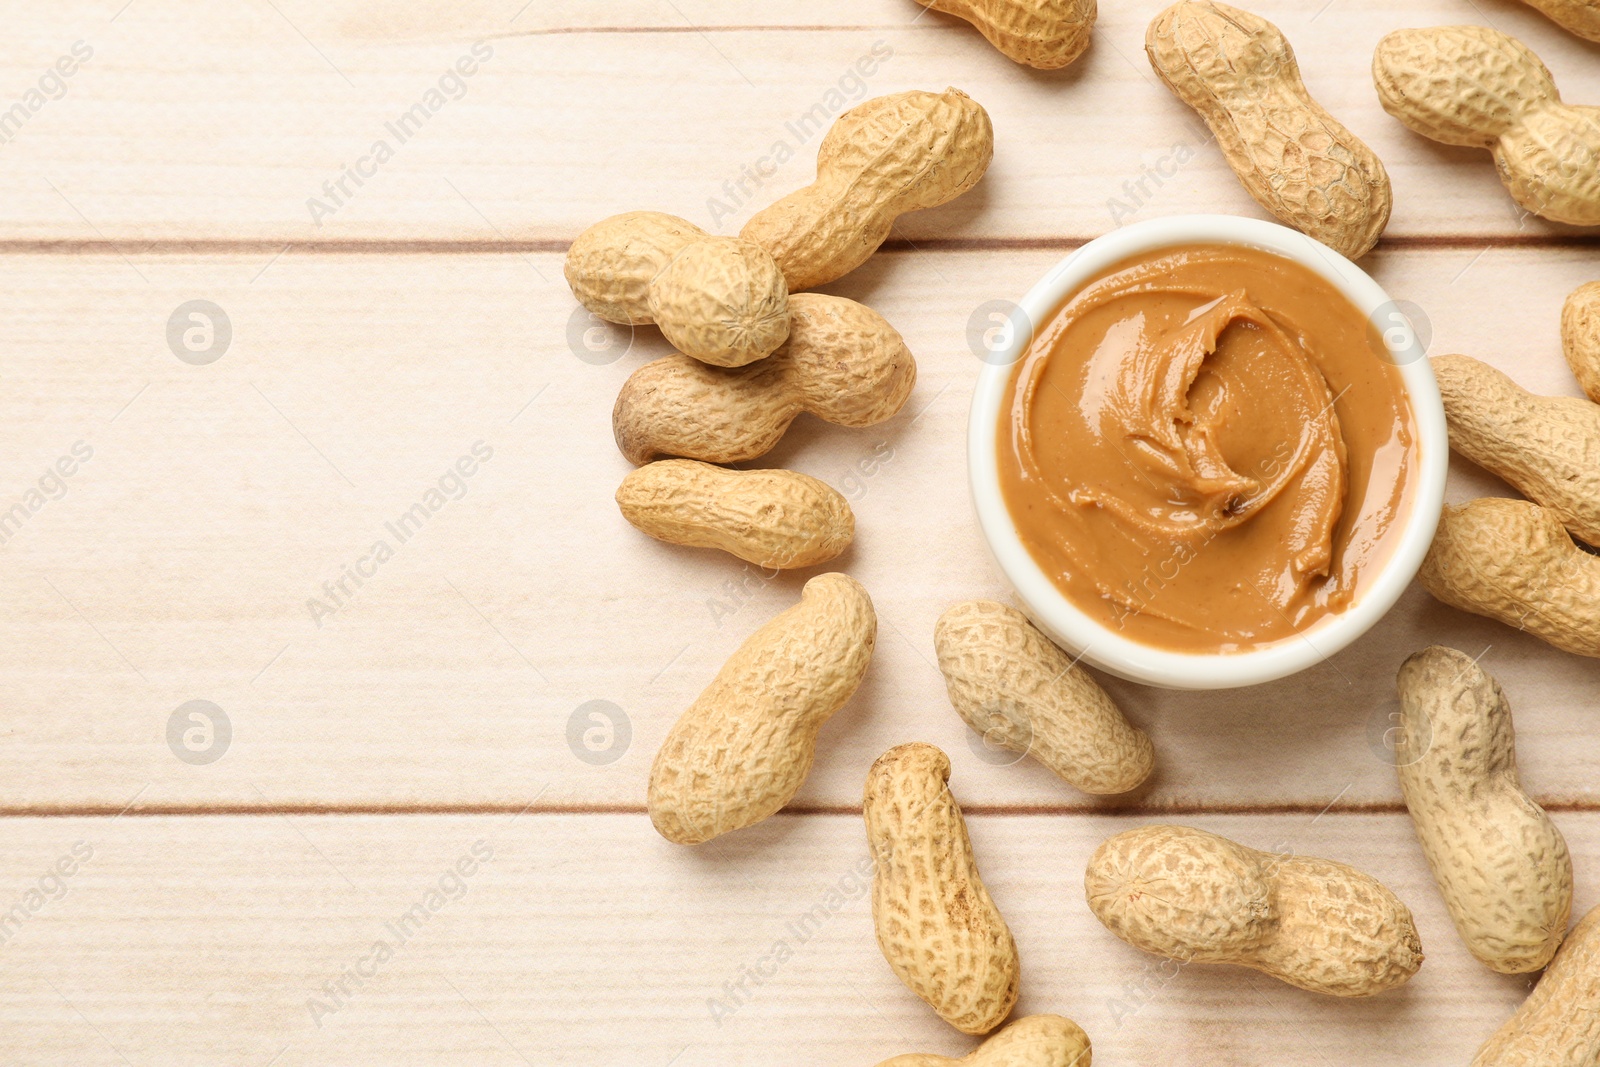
1192	448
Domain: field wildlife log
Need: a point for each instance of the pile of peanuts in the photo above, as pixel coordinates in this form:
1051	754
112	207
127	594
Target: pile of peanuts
755	350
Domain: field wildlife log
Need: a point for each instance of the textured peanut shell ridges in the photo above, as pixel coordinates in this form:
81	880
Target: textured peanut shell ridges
1195	897
1581	17
722	301
1238	72
1047	34
1547	447
1033	1041
744	747
1580	336
719	299
1501	865
1010	684
611	265
1474	86
1513	561
937	925
772	518
842	363
1559	1024
890	155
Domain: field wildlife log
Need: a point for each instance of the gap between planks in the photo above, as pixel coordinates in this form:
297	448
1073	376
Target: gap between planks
452	246
1179	808
1131	810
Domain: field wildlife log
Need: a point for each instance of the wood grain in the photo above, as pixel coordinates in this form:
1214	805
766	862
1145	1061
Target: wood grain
586	939
224	121
184	559
431	718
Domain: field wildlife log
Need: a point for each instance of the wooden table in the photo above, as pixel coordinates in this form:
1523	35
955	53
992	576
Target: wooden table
411	759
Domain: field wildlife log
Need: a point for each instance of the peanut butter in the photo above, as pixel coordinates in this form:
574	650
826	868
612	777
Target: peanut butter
1207	448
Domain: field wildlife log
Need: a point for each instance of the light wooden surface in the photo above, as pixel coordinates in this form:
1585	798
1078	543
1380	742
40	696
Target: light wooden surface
220	121
433	706
588	939
179	564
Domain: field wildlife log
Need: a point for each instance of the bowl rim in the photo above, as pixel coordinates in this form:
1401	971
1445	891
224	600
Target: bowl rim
1096	644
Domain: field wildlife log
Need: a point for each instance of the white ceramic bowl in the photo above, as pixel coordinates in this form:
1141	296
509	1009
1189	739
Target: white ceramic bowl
1105	648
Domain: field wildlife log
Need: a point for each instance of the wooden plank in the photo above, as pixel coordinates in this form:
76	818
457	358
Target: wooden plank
186	559
157	139
181	635
587	939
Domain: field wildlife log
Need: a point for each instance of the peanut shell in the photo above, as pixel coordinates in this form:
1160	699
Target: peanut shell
1548	447
612	264
1581	17
1046	34
1238	72
1501	865
1009	683
744	747
937	925
1580	337
1513	561
718	299
842	362
772	518
1033	1041
885	157
1559	1024
722	301
1195	897
1474	86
